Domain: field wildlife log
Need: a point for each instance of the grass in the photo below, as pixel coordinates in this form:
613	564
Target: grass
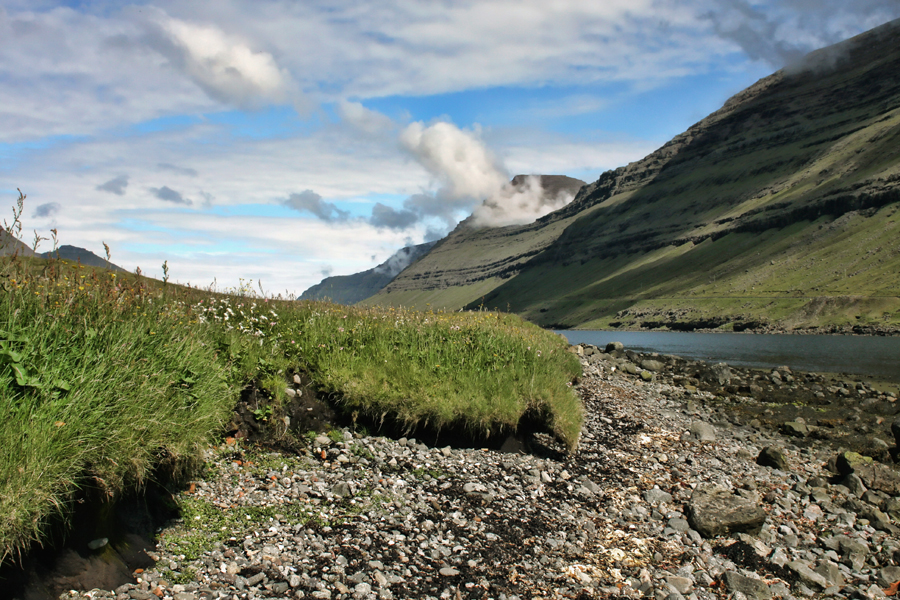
107	378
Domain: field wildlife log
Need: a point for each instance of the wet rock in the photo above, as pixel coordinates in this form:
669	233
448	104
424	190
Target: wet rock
715	511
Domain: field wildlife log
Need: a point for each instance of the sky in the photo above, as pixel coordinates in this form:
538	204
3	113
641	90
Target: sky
273	142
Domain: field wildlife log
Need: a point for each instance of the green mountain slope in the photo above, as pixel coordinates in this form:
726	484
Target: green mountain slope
777	210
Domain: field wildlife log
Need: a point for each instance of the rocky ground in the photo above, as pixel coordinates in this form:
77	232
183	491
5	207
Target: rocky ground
687	484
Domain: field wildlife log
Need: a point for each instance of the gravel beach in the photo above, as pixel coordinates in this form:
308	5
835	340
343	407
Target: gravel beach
665	498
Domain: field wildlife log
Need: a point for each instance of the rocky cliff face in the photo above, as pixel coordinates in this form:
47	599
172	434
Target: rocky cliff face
758	184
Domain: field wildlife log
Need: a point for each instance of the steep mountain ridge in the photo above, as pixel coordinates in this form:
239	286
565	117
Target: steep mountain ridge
350	289
460	263
759	183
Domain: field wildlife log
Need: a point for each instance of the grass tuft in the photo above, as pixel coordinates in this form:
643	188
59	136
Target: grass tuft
104	377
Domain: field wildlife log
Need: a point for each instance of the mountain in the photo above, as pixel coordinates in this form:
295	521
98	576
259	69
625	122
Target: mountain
9	245
350	289
778	210
85	257
473	260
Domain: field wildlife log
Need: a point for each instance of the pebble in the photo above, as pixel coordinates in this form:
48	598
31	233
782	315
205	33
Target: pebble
618	517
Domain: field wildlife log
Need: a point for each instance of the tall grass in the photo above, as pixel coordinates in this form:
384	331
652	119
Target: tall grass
105	377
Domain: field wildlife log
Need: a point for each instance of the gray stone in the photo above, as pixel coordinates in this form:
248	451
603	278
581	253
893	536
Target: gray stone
679	525
682	585
752	588
892	508
98	543
657	496
795	429
715	511
703	431
256	579
721	373
888	575
448	572
853	483
342	489
831	572
653	365
614	347
807	575
185	596
772	456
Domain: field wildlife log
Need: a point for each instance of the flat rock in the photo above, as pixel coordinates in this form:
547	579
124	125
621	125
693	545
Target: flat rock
752	588
715	511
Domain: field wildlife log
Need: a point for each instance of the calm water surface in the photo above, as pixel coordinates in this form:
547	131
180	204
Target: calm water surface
876	357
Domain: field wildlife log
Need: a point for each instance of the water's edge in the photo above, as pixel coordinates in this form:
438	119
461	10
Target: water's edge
875	357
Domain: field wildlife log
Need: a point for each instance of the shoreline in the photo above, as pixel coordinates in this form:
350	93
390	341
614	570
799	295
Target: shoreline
623	516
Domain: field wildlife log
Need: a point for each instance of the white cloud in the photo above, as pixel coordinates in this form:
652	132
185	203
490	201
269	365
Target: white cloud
88	95
224	67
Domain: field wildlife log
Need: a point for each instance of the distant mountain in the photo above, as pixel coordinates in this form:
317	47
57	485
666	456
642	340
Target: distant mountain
781	209
10	245
85	257
350	289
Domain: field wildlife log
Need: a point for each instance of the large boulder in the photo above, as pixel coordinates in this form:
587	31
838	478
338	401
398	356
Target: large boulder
715	511
875	475
772	456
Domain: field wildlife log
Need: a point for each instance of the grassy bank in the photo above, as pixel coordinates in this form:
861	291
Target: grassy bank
105	377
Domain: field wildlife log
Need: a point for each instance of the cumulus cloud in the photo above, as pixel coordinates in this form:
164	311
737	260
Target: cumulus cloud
518	204
115	186
468	175
176	169
169	195
46	210
311	202
226	68
458	159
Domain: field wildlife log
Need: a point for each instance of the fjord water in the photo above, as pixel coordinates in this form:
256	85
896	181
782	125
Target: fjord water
866	356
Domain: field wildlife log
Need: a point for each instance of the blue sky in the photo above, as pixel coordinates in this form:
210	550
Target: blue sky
283	141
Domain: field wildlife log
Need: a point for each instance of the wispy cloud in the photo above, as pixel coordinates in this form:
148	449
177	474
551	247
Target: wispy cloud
187	171
49	209
311	202
169	195
116	185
